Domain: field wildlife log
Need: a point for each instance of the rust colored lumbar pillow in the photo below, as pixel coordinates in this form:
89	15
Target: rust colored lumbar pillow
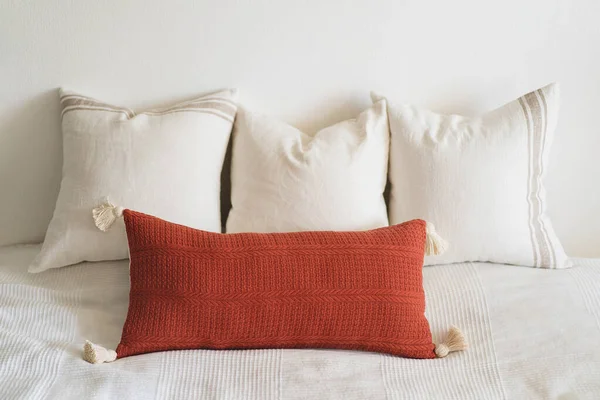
192	289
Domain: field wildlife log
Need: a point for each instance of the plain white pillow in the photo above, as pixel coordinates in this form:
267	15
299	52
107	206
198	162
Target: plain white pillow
164	162
479	180
284	180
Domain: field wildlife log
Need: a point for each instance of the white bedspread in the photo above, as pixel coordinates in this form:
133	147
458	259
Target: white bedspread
534	334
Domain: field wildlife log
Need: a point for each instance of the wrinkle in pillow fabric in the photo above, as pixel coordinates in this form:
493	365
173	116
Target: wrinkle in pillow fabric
479	179
284	180
149	161
193	289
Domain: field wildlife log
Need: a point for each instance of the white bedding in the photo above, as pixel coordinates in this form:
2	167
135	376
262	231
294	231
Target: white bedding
534	334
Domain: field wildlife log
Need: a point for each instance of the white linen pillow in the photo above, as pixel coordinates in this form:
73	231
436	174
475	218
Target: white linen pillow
479	180
163	162
284	180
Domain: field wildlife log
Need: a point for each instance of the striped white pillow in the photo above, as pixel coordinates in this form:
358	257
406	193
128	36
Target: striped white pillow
479	180
163	162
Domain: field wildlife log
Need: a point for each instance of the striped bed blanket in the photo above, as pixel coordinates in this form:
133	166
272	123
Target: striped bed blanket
533	334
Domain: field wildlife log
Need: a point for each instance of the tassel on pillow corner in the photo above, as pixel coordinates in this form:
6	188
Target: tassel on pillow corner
372	286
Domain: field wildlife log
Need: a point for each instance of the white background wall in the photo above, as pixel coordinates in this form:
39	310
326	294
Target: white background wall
311	63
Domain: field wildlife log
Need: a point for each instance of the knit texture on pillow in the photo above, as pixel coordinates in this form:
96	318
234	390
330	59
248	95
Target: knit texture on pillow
193	289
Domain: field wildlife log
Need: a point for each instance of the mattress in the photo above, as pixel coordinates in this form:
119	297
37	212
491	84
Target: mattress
533	334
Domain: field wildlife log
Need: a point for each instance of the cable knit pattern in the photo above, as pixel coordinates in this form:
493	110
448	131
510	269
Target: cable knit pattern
193	289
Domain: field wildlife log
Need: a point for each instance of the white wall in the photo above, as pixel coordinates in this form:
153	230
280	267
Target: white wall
309	62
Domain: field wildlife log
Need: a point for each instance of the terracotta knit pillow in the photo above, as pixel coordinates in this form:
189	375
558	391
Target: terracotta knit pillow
192	289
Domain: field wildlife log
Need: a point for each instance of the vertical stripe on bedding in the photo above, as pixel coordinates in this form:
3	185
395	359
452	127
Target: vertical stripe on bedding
37	324
471	374
228	374
586	278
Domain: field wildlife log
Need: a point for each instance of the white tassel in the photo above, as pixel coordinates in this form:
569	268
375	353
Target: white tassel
106	214
434	243
95	354
455	341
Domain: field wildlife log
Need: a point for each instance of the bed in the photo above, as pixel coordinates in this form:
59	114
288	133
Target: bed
533	334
